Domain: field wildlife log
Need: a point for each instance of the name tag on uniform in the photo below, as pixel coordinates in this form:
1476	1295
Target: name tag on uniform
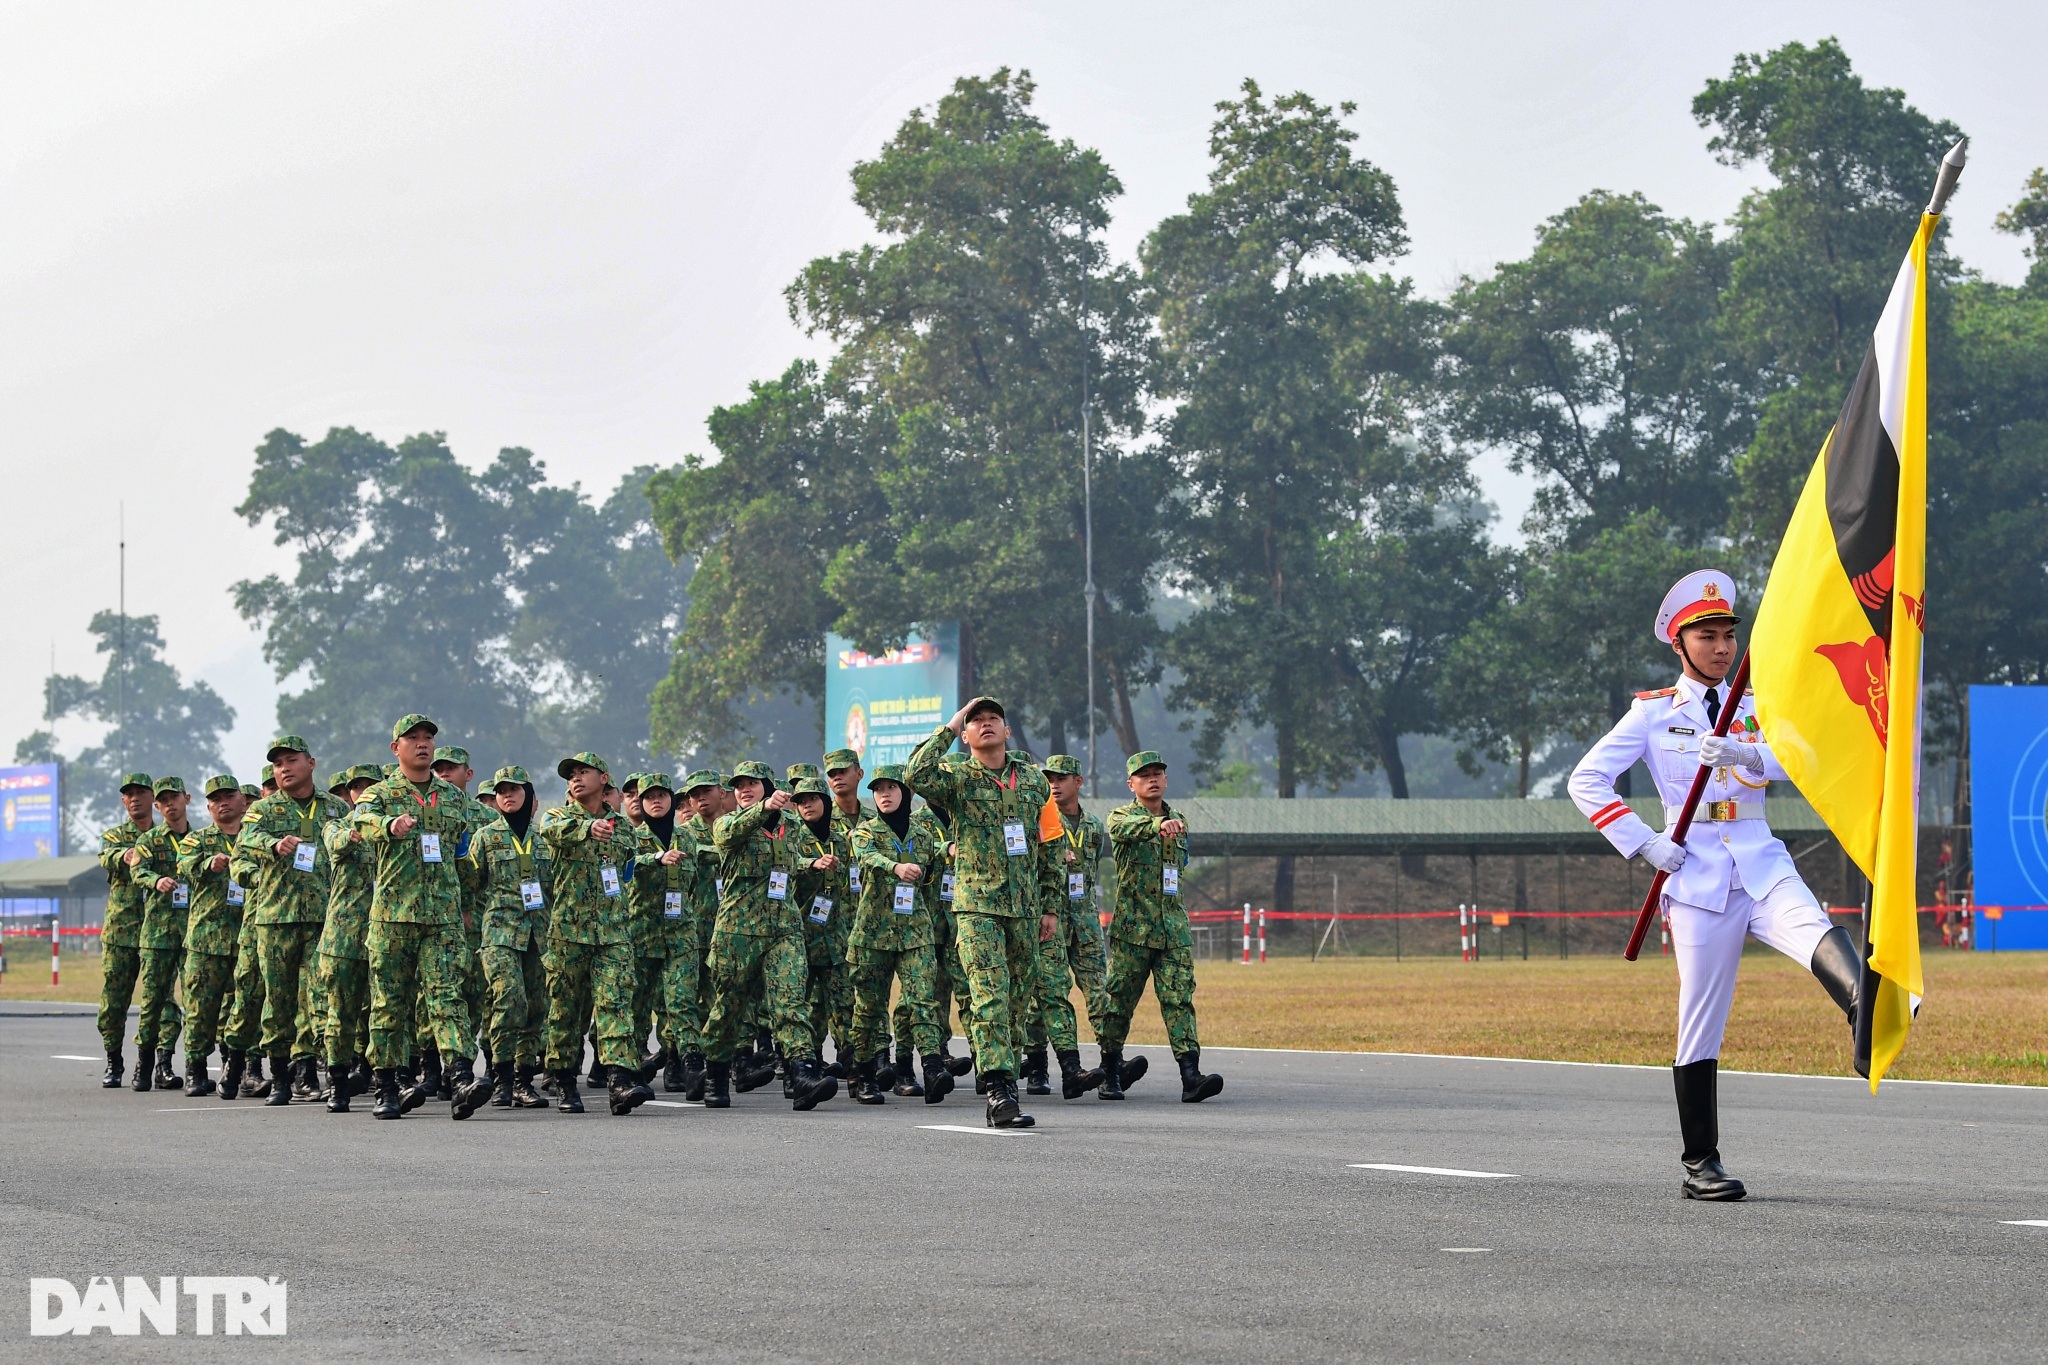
821	909
946	886
430	848
181	896
906	898
529	895
235	894
672	904
778	885
853	878
609	875
303	855
1013	838
718	885
1170	881
1077	885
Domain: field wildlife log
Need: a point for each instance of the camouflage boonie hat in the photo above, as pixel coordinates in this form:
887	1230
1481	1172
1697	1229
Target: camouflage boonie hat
889	772
760	772
413	721
511	773
252	791
703	777
810	786
1064	764
453	753
223	783
144	781
1144	758
657	782
797	772
169	786
841	758
290	744
582	760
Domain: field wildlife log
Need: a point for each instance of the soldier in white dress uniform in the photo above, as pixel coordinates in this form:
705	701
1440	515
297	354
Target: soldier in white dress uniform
1732	879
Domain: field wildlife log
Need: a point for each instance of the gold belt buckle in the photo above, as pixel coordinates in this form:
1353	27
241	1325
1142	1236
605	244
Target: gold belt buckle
1720	810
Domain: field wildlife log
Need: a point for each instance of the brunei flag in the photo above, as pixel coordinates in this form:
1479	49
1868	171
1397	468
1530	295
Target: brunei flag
1835	653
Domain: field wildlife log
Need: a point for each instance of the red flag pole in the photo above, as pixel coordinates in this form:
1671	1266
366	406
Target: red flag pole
1692	801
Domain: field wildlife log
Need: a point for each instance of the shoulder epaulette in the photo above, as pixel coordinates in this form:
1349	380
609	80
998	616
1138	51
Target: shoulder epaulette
1660	692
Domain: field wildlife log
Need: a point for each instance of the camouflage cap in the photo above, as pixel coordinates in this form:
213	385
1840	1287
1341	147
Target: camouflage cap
341	779
267	773
796	772
759	771
981	704
585	759
487	787
406	724
222	783
1144	758
290	744
889	772
452	753
252	791
169	786
841	758
631	786
657	782
810	786
511	773
142	780
1023	756
703	777
1064	764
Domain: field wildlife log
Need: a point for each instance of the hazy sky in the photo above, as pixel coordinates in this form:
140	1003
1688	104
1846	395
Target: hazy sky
568	227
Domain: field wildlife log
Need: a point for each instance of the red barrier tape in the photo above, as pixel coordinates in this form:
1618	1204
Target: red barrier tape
1233	916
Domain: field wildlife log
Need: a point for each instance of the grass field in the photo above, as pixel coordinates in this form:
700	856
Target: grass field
1986	1016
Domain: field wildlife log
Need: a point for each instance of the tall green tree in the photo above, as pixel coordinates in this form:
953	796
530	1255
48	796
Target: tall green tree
2028	218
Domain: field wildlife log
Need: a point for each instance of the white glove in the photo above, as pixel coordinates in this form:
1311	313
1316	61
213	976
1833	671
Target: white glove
1662	854
1717	752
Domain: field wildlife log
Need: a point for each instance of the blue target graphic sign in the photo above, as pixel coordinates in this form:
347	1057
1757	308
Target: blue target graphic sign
2009	810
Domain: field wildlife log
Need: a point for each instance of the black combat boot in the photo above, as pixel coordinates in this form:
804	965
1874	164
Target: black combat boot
1134	1069
338	1088
906	1073
143	1076
359	1082
693	1075
650	1065
469	1094
165	1078
548	1084
388	1106
1003	1111
810	1087
231	1066
523	1094
837	1070
718	1085
1699	1122
885	1072
1194	1086
625	1090
938	1077
1035	1082
197	1083
571	1101
959	1066
861	1085
754	1073
283	1081
1074	1082
770	1051
412	1093
257	1086
432	1084
305	1079
504	1076
1112	1087
116	1072
672	1072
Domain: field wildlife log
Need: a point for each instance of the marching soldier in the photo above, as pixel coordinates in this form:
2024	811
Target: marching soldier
166	903
665	876
344	942
515	870
1733	879
826	899
212	923
1149	937
891	938
121	931
1073	951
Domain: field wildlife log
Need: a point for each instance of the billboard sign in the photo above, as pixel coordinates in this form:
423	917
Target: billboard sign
30	812
2009	812
882	706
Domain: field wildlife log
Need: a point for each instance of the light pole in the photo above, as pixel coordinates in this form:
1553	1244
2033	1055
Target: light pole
1087	513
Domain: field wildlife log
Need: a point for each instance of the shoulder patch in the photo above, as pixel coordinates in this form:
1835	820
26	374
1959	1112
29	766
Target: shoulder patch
1659	692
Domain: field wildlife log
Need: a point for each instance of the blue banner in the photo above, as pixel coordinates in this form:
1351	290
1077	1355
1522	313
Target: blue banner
2009	813
882	706
30	812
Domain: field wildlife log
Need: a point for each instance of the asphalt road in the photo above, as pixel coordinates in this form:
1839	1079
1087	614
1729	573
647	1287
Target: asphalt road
1240	1229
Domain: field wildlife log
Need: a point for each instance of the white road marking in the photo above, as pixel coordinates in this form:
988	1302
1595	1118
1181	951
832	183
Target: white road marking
1464	1248
71	1057
674	1104
2026	1222
986	1132
1432	1170
225	1108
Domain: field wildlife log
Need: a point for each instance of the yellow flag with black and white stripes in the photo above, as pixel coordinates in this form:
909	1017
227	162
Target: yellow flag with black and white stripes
1836	651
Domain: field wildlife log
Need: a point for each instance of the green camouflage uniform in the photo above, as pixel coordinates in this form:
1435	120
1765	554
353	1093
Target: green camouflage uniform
344	944
510	871
757	945
1075	952
212	925
644	916
120	933
667	897
826	933
476	992
163	938
590	939
243	1027
996	892
891	937
415	936
1149	935
289	906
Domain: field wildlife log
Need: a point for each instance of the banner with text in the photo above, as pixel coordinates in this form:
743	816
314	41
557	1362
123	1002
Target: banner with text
882	706
30	810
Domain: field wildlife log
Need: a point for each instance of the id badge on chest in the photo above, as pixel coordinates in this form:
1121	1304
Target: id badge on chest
235	893
609	875
1170	881
821	910
181	896
672	904
1077	885
853	878
906	898
778	885
1013	838
945	886
303	855
529	895
430	848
